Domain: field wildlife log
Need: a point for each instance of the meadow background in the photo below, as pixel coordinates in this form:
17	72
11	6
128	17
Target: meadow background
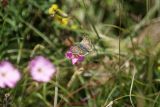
123	70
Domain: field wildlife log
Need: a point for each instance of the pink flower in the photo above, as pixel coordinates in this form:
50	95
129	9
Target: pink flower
74	57
9	75
41	69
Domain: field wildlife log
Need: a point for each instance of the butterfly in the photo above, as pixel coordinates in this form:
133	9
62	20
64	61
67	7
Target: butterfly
82	48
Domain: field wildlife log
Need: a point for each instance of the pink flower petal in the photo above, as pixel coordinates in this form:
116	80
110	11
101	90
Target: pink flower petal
80	58
10	84
68	54
2	84
9	75
41	69
74	60
74	57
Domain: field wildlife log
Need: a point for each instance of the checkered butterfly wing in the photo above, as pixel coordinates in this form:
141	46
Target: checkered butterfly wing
83	48
87	44
76	49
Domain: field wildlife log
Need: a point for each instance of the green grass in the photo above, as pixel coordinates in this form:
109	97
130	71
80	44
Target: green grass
118	70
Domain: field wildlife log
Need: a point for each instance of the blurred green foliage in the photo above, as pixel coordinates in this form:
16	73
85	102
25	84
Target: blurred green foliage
26	30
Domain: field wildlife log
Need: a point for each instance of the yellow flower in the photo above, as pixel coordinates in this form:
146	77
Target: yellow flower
52	10
65	21
61	20
58	14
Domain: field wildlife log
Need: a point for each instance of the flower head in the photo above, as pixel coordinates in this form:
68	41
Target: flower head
64	21
74	57
9	75
52	10
61	20
41	69
58	15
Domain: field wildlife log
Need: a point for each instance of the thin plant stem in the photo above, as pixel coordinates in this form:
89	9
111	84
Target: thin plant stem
131	87
56	92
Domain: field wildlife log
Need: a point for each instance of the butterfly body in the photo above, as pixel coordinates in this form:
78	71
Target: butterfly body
82	48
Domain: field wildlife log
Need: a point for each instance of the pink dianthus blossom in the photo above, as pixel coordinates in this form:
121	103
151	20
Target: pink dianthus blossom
74	57
9	75
41	69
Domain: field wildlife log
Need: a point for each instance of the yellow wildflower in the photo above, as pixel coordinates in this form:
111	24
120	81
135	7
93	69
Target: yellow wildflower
61	20
65	21
53	9
58	14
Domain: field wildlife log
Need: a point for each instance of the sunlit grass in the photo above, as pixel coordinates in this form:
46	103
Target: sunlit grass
122	70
